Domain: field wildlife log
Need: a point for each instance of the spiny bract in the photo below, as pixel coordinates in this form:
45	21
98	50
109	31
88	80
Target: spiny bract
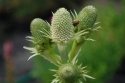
62	26
70	73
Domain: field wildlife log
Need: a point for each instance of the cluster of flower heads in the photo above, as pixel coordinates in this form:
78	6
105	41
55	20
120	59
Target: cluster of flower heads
65	28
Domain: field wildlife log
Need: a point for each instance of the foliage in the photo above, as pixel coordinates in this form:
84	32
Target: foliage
62	31
103	56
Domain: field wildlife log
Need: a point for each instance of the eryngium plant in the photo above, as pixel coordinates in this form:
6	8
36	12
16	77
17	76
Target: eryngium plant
66	27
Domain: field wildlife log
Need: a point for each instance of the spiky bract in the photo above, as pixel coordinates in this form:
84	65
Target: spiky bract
62	26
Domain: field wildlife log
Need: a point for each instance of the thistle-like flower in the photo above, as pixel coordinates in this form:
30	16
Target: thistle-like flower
42	45
87	17
62	30
86	23
70	73
62	26
36	26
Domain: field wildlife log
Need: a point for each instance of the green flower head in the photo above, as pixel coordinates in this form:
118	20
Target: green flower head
36	26
62	26
87	17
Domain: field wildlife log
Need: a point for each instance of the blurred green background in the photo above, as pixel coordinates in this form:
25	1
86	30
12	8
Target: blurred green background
104	58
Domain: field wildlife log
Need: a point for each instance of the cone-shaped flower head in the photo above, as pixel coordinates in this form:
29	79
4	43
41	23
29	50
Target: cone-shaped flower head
87	17
36	26
62	26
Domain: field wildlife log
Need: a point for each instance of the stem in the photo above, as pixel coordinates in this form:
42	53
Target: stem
75	49
72	52
52	57
63	53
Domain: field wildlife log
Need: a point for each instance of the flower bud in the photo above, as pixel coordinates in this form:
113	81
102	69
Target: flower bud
87	17
36	26
62	26
68	73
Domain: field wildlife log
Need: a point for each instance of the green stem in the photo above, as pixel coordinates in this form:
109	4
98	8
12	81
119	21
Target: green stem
72	52
53	57
63	52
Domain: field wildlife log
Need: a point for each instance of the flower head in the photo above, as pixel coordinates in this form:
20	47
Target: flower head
37	25
62	26
87	17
